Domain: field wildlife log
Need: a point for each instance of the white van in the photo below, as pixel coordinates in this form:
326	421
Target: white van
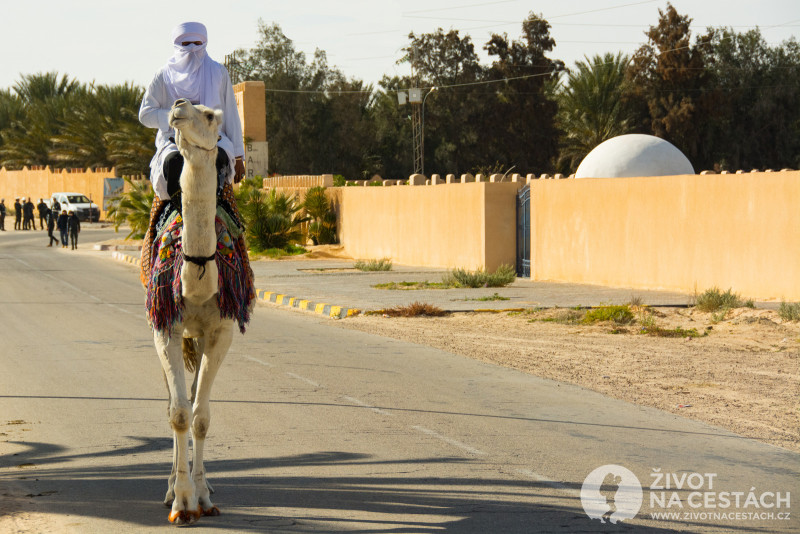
85	209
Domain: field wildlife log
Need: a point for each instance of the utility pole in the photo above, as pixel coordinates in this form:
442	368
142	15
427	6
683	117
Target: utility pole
415	99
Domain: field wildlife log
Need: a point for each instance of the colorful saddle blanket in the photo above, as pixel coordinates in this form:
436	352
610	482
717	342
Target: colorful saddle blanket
236	294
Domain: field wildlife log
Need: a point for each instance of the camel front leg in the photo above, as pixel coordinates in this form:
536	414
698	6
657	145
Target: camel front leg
216	347
184	504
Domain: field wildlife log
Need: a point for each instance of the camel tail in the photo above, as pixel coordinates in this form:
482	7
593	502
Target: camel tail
191	354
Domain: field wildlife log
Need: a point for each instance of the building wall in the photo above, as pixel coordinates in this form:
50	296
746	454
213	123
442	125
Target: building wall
43	182
681	233
470	225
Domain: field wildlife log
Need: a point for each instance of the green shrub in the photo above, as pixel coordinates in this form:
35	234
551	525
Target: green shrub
712	300
789	311
504	275
383	264
616	314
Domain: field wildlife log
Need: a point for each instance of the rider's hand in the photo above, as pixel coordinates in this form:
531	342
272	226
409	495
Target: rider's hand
238	168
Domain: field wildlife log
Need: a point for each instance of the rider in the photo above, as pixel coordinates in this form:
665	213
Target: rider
191	74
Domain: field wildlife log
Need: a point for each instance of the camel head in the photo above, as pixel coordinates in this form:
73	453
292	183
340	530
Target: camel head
195	126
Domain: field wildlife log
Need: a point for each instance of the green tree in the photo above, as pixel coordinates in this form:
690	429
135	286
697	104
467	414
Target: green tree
519	121
756	90
591	106
318	119
669	78
452	129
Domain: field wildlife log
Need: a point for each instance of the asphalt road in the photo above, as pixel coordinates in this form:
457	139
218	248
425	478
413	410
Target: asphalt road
321	429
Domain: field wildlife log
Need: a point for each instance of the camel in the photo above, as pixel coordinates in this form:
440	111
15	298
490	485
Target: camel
199	336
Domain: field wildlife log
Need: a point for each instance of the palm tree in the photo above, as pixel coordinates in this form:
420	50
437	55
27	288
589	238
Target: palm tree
271	220
102	129
591	106
322	230
133	208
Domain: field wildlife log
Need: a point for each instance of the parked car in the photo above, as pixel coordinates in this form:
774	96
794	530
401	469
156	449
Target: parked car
85	209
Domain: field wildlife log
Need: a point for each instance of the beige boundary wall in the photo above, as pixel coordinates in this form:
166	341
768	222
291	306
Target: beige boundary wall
43	182
681	233
468	225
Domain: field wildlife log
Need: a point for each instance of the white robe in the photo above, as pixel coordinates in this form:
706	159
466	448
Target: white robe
154	113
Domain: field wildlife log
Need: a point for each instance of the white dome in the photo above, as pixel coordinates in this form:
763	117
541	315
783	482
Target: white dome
634	155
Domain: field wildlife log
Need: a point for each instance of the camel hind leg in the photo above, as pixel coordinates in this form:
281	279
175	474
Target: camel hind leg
217	343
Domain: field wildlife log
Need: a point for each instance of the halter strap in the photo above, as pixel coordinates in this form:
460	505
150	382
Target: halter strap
200	262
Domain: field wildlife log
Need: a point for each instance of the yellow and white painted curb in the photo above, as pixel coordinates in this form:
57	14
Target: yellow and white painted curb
127	258
322	308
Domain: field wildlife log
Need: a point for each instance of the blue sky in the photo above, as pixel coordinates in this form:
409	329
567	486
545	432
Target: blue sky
114	42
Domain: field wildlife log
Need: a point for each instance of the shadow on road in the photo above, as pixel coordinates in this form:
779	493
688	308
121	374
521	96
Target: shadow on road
275	501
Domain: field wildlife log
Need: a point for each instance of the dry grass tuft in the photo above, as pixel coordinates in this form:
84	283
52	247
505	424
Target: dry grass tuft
415	309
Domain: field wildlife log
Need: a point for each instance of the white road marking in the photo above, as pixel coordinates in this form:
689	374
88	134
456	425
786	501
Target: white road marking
79	290
304	379
549	482
365	405
449	441
266	364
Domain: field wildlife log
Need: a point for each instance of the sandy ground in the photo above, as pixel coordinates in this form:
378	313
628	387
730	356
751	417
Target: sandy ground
742	373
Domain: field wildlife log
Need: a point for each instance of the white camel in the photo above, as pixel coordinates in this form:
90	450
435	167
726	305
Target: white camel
196	134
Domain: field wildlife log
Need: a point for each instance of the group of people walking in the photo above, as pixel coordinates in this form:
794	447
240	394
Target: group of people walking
67	223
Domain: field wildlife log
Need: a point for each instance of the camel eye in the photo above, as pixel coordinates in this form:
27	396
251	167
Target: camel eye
210	116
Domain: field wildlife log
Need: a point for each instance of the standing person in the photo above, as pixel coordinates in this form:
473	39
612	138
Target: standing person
63	225
42	207
191	74
17	214
2	214
51	217
55	206
74	225
28	219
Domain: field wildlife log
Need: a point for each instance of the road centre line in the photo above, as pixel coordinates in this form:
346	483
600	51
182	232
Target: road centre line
79	290
549	482
365	405
265	364
449	441
304	379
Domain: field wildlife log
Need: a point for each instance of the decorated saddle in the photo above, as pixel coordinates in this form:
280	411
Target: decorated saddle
162	260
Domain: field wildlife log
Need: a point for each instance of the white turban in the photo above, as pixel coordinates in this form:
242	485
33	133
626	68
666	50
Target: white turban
185	70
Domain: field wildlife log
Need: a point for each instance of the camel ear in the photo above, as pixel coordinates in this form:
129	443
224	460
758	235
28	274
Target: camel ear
218	114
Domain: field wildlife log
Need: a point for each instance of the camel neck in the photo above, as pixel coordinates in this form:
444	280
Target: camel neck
199	203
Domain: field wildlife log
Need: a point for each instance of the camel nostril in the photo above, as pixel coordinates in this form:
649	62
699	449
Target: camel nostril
180	101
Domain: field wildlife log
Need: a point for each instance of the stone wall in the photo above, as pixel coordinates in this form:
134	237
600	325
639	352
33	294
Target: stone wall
681	233
42	182
470	225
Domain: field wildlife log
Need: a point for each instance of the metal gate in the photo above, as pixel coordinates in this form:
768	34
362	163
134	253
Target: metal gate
524	232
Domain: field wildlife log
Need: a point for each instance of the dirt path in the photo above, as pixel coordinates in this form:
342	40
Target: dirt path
741	373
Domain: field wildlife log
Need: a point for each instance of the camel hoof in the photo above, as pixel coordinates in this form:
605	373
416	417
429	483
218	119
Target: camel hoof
184	517
211	511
